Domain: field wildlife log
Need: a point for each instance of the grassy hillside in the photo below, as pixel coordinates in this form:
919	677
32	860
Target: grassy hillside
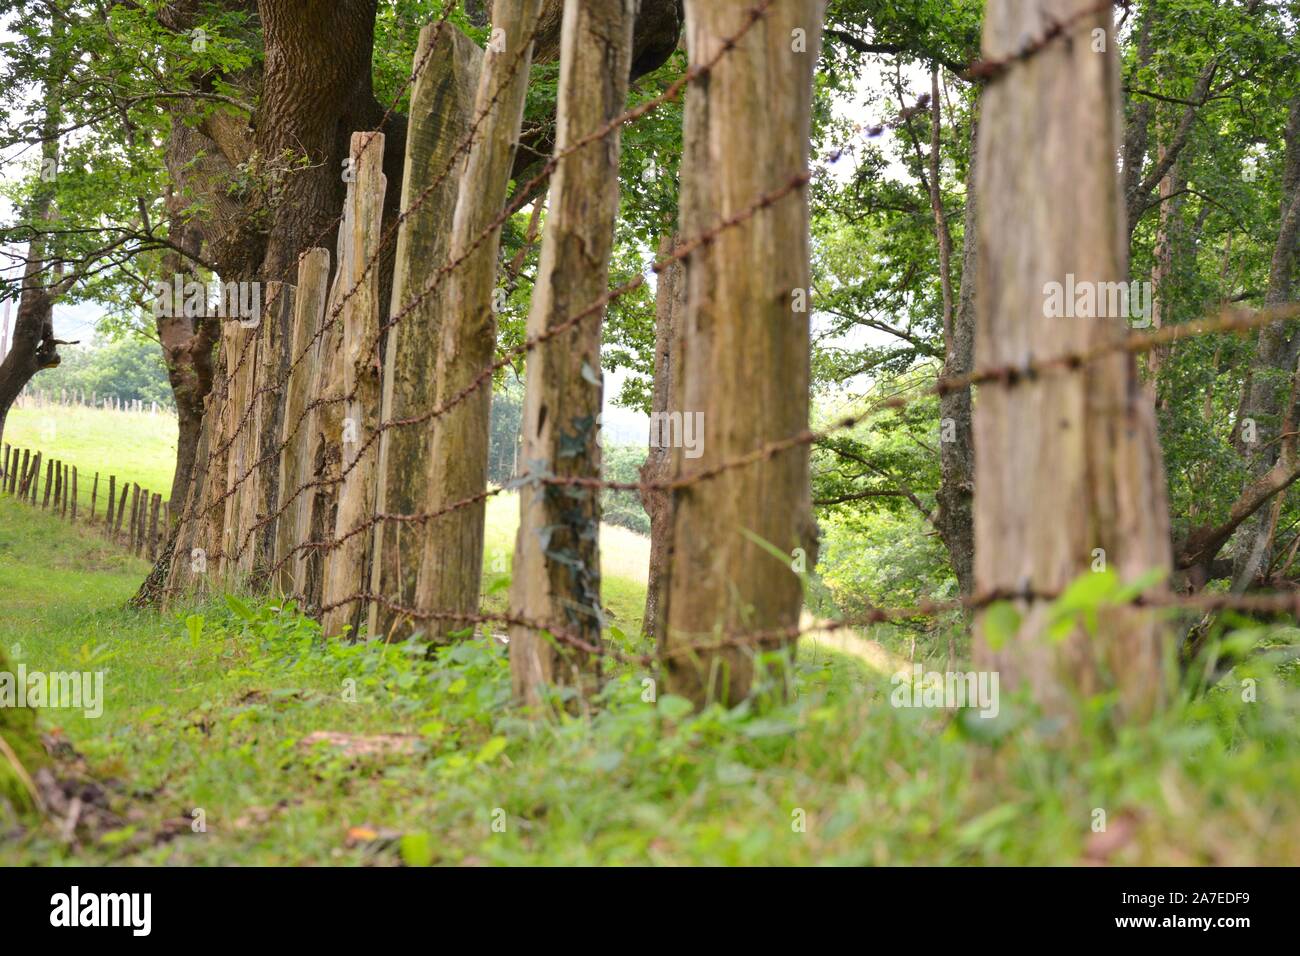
134	446
231	735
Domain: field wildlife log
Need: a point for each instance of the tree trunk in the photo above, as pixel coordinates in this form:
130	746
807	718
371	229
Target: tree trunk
1275	360
956	521
744	348
1066	464
556	573
451	572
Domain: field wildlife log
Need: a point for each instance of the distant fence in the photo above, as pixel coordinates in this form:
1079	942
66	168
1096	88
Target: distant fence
53	485
72	397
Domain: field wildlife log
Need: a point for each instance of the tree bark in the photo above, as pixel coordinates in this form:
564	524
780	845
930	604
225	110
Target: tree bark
744	348
1068	463
956	521
1276	355
556	574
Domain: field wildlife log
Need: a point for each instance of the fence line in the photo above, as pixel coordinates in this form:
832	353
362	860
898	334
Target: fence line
143	536
294	540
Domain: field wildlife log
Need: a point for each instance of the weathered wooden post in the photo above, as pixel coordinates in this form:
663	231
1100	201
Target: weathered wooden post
295	433
74	494
108	514
49	484
442	103
1049	128
94	494
452	569
346	564
153	527
744	347
556	575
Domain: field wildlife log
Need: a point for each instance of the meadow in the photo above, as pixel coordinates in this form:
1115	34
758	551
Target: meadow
233	734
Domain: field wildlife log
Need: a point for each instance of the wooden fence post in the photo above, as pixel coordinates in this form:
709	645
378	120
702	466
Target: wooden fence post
121	509
94	494
130	528
67	474
153	527
555	579
35	485
108	514
74	494
22	471
267	423
295	431
442	103
452	569
49	484
744	347
346	564
1038	528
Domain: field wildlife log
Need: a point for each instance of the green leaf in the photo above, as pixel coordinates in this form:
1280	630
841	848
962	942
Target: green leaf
490	750
1001	621
674	707
416	849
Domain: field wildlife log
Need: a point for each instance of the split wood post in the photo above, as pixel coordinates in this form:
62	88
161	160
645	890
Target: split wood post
1103	496
451	571
555	580
74	494
153	527
346	564
58	483
34	486
744	347
94	494
4	477
131	528
442	104
121	509
49	484
324	423
295	431
276	331
108	513
22	472
67	485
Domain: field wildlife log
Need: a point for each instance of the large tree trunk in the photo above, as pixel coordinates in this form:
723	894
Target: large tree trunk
556	575
744	348
1275	360
452	569
956	521
33	346
187	346
670	306
1066	463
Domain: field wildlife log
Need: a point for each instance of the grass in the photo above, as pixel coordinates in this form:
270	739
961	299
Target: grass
232	734
138	447
213	710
